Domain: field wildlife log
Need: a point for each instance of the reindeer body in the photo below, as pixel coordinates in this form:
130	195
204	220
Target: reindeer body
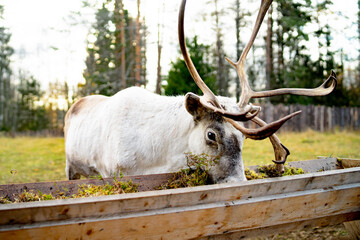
139	132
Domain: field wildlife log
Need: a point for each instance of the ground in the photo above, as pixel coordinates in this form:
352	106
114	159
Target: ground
38	159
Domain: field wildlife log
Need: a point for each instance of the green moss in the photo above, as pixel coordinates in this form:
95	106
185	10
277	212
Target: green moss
250	174
4	200
90	190
198	172
31	196
269	171
117	187
196	175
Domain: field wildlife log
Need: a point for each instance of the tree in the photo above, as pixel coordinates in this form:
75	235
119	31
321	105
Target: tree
358	29
294	66
222	69
116	59
239	23
290	69
100	55
269	52
160	27
57	102
6	88
31	116
179	80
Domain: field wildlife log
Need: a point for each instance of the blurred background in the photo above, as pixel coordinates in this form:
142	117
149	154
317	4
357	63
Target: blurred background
54	52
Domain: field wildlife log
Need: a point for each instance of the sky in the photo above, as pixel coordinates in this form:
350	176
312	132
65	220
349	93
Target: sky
49	46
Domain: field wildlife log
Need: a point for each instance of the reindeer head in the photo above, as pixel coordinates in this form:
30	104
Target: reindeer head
217	119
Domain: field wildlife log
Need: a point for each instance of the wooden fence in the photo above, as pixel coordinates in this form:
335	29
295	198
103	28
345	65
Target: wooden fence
318	118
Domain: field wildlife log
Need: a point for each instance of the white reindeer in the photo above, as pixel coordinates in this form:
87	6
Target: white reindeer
139	132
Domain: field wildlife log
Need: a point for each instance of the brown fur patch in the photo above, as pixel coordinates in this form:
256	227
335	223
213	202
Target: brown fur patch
79	106
75	108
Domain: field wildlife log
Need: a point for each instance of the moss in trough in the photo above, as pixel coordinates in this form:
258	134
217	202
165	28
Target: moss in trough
251	175
196	174
117	187
31	196
89	190
4	200
270	171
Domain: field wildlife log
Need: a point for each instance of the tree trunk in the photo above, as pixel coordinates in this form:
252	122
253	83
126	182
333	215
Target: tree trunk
221	75
238	51
138	48
269	53
132	53
123	57
158	80
358	70
143	52
120	40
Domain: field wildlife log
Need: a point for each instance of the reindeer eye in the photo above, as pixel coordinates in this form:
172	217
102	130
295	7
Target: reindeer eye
211	136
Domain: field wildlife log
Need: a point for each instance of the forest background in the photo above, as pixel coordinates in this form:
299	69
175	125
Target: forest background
130	43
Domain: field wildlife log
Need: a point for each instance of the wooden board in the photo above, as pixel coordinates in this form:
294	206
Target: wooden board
213	210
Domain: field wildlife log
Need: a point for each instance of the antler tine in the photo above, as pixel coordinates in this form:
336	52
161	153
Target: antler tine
246	91
209	95
322	90
209	101
281	152
264	131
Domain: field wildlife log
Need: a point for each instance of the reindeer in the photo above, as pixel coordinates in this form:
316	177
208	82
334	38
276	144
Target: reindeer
139	132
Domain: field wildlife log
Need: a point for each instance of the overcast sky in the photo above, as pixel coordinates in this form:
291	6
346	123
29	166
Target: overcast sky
49	47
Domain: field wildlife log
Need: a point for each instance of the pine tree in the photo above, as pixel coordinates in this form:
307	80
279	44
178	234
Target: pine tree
116	58
240	22
30	115
6	88
179	80
222	69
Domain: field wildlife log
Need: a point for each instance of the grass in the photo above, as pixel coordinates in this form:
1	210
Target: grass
26	159
31	159
304	146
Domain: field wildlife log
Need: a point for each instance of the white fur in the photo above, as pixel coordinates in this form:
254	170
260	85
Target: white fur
137	132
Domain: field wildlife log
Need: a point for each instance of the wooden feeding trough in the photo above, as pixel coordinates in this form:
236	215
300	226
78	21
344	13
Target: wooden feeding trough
324	196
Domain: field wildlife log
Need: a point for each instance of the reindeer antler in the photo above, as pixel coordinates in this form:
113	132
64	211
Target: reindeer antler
247	111
247	93
210	101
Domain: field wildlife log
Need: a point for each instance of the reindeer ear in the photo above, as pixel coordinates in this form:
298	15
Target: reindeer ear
194	106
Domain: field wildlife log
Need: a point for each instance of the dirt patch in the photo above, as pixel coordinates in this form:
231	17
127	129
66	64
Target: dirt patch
336	232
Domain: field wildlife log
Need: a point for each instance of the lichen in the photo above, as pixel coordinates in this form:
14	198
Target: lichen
4	200
85	190
270	171
196	174
117	187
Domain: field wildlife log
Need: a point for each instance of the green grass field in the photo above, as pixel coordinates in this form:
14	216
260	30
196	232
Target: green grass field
27	159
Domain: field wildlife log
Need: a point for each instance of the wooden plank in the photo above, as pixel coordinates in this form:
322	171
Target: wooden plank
353	227
189	222
285	228
321	164
191	212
